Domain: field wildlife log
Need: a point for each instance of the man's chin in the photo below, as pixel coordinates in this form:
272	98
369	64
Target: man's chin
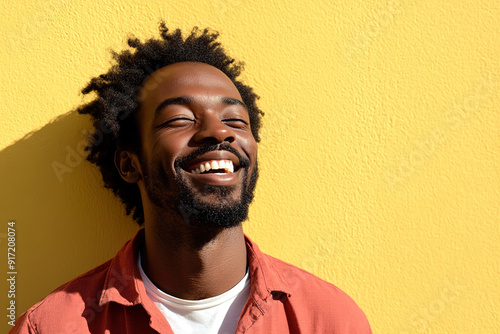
221	197
212	206
213	216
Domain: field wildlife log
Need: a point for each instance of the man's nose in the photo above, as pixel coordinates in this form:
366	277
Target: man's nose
213	130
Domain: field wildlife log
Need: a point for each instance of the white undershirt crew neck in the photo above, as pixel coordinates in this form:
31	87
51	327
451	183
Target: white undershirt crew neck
217	314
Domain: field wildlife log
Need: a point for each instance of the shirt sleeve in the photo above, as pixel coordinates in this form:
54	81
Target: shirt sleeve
22	326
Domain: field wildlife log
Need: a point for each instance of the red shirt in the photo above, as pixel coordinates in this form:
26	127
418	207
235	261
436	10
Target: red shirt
112	299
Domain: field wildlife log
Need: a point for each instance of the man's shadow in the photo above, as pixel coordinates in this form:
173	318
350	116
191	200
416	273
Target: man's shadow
66	222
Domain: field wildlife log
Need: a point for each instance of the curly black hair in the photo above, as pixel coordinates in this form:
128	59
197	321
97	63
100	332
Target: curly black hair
117	99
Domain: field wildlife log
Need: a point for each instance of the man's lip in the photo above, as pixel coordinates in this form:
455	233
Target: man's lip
210	156
216	179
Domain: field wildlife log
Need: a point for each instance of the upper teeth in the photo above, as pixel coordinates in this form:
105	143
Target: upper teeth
227	165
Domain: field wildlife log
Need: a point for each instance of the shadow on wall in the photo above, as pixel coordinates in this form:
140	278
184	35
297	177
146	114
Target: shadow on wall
66	222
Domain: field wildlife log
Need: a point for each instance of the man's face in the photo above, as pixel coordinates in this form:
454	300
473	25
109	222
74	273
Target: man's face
198	155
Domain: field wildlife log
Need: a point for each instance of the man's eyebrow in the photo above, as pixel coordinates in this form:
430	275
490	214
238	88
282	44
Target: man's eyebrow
182	100
228	100
175	100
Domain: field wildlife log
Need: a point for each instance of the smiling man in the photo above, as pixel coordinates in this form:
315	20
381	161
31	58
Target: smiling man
176	138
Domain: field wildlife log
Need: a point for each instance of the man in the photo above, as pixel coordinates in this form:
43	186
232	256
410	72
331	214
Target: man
176	139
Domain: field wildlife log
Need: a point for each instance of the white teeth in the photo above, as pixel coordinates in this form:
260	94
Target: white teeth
227	165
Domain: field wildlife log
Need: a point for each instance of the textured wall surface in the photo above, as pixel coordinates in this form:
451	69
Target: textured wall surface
380	155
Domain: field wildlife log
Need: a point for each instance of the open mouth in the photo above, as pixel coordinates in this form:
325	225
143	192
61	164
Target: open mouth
217	160
212	167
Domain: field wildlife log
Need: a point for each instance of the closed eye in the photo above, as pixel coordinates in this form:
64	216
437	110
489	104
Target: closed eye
177	122
236	122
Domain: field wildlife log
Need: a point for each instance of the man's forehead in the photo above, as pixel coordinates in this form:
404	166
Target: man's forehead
185	78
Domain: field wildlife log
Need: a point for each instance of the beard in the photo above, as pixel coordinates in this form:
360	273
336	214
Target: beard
193	210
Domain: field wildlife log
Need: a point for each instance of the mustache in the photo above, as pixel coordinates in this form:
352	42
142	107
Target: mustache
180	162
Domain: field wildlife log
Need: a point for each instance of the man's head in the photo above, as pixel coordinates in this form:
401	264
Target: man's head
166	108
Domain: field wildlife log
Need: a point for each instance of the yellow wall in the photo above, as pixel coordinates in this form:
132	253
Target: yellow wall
380	153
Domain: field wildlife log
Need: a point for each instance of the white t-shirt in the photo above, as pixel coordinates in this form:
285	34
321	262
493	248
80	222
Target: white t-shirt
217	314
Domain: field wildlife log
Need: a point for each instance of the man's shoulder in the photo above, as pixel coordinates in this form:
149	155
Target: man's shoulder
74	302
302	281
319	297
81	286
67	301
302	286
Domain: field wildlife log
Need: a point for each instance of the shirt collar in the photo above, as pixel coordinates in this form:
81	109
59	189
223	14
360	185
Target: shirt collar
264	277
123	283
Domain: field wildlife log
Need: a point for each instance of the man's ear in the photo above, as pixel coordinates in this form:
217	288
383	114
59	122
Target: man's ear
128	166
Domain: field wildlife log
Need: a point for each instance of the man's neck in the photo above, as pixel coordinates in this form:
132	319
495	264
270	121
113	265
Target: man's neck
193	263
